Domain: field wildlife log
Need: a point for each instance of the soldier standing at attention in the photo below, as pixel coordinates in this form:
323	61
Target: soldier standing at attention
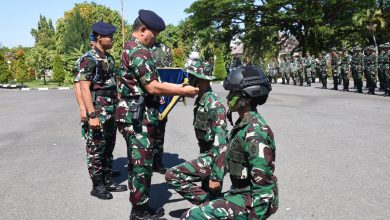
324	70
250	156
163	56
139	90
308	69
334	64
386	63
344	64
98	90
371	68
358	68
381	68
210	129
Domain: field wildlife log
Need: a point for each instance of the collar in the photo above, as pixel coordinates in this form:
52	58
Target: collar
246	120
200	99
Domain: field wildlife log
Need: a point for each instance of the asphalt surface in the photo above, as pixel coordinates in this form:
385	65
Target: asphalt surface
333	156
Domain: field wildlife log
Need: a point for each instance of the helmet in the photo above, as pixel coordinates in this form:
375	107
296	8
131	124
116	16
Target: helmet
200	69
248	80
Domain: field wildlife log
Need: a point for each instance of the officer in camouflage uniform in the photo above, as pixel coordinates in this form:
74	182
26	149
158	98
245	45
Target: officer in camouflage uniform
163	55
98	90
250	156
335	67
139	89
344	67
371	68
308	69
294	69
357	66
386	63
381	68
324	70
301	69
210	129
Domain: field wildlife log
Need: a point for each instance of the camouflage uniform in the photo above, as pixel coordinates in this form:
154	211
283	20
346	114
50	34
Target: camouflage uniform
381	68
324	70
371	68
137	117
210	129
344	64
250	161
163	57
301	71
386	61
357	65
100	143
294	70
335	68
308	70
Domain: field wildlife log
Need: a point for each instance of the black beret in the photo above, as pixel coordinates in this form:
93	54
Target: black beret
103	28
151	20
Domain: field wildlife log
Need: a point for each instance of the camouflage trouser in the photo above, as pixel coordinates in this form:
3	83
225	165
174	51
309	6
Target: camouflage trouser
324	77
308	76
233	206
381	77
139	136
100	145
301	77
371	80
158	147
387	81
344	75
182	177
293	77
335	76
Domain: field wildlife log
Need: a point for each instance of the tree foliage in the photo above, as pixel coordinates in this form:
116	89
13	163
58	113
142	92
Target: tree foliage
58	70
219	65
5	74
44	34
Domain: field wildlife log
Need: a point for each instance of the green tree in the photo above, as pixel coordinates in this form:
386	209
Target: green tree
219	66
76	32
40	59
19	67
179	58
44	34
5	73
370	20
58	70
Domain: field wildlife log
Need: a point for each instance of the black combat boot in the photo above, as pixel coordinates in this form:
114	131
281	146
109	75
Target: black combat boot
99	189
112	186
158	166
146	213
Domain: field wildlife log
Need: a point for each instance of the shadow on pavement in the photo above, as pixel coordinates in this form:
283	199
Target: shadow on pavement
177	213
171	160
120	164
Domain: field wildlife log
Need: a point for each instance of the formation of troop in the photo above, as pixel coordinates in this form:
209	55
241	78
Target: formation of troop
128	98
355	63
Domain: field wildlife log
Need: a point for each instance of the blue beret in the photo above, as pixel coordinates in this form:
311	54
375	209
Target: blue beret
92	37
151	20
104	28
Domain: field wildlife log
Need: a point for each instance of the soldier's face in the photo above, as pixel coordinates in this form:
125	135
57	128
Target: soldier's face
106	41
149	36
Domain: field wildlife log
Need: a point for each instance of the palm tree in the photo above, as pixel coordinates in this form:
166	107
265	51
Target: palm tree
370	19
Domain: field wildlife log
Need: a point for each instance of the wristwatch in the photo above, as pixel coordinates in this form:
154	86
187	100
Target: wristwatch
91	115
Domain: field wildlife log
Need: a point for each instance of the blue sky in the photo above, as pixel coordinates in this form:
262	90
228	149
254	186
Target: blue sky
18	17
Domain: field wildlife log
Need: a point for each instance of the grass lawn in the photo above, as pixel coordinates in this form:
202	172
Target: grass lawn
39	84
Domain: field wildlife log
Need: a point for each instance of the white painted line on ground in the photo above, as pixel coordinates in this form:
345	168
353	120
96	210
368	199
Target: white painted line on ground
63	88
13	86
43	88
25	89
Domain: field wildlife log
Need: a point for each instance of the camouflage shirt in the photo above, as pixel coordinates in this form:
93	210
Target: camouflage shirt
210	127
138	69
250	159
162	54
101	72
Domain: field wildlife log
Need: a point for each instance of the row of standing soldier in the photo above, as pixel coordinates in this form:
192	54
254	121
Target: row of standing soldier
358	64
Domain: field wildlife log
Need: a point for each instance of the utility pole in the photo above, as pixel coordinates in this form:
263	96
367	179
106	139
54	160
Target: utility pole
123	28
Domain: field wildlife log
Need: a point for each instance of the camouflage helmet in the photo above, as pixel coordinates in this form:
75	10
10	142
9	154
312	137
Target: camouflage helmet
333	49
200	69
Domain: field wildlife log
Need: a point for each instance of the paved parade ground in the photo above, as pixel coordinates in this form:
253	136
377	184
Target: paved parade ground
332	157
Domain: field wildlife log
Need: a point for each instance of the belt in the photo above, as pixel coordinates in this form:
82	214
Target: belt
111	93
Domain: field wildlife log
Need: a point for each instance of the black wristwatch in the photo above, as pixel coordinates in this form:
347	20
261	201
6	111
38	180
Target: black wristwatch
91	115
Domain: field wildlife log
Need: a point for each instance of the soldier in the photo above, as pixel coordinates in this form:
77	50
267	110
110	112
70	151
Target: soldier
318	67
97	87
294	69
308	66
210	129
357	66
324	70
381	68
282	67
371	68
386	62
139	90
163	55
344	64
300	66
250	156
334	64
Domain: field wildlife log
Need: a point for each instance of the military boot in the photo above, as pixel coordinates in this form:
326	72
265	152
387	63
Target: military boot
99	189
158	166
112	186
146	213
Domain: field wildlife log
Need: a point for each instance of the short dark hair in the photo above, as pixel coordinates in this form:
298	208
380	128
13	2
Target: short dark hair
137	24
